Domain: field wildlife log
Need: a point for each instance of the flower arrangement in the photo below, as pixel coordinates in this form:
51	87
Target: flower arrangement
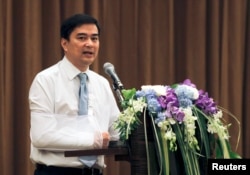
186	119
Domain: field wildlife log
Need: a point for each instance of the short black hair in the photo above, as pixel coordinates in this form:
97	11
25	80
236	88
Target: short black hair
74	21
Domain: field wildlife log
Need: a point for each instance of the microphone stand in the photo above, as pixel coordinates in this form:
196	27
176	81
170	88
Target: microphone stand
118	87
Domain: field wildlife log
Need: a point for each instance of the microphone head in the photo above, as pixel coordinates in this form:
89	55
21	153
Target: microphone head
108	67
110	70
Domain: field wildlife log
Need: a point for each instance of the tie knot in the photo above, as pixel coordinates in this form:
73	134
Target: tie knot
82	77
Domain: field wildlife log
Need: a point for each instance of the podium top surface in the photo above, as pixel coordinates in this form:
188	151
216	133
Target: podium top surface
113	149
108	151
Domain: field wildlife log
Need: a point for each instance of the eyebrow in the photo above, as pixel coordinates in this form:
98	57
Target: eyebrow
85	34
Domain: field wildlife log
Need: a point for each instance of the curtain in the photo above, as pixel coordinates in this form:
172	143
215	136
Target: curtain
148	42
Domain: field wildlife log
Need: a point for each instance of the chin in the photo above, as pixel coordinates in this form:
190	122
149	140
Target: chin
88	61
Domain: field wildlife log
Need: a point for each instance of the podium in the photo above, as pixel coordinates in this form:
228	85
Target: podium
133	151
120	152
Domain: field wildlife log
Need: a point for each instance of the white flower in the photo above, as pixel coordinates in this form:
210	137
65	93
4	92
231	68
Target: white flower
187	111
163	125
160	124
218	115
138	105
159	89
194	91
171	121
171	137
189	123
215	125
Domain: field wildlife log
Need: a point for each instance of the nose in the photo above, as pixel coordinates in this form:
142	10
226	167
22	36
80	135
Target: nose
88	42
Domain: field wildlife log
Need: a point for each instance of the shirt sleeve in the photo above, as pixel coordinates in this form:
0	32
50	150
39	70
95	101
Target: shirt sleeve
62	132
50	131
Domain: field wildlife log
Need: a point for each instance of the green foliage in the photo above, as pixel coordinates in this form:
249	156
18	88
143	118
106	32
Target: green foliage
127	95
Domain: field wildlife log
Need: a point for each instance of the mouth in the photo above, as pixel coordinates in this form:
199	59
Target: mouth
88	53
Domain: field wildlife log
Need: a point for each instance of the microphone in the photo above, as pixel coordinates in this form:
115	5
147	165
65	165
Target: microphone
117	85
110	70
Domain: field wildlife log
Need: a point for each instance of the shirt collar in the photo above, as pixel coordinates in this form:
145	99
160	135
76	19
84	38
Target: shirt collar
70	70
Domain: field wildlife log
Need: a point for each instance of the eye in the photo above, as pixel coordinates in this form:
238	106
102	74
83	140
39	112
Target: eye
82	38
94	38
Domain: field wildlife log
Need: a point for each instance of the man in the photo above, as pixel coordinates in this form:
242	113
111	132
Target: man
56	122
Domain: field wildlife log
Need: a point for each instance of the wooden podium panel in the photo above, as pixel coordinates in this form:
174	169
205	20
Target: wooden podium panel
108	151
120	152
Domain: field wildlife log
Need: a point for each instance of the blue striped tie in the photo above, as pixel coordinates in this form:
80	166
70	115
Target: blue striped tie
83	110
83	95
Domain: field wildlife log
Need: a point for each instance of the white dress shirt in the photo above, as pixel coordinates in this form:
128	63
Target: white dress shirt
55	124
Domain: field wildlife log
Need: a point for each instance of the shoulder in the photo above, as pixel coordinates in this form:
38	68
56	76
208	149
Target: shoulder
50	72
48	76
95	77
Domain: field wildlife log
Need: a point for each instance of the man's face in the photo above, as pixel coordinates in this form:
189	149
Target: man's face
83	45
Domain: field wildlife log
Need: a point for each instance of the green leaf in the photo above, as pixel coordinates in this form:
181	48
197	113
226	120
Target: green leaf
234	155
189	160
174	85
218	150
204	135
128	93
222	150
165	152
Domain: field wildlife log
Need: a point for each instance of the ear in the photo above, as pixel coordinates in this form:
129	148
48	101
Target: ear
64	44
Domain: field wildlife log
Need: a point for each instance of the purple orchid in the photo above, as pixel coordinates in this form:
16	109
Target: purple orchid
189	83
206	104
169	98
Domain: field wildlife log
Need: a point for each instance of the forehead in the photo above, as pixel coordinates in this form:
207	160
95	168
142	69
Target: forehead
89	29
